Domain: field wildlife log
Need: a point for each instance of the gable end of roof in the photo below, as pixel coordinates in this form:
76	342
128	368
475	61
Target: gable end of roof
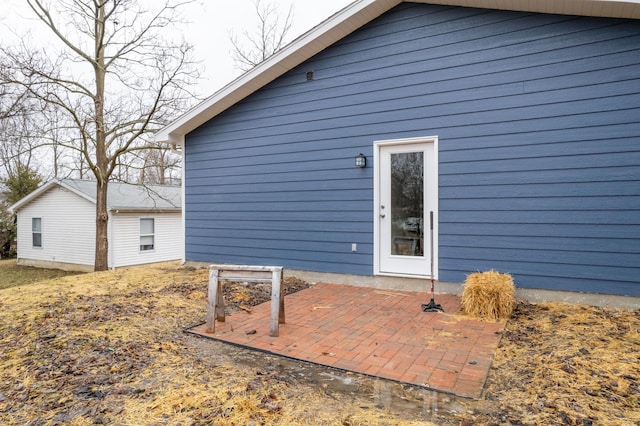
122	196
343	23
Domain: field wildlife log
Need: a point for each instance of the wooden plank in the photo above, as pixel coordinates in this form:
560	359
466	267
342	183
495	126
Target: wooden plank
220	303
274	328
281	313
244	275
212	301
249	268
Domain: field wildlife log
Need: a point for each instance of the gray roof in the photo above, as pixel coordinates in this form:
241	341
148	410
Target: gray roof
121	196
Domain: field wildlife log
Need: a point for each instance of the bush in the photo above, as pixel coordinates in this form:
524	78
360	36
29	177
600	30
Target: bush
7	233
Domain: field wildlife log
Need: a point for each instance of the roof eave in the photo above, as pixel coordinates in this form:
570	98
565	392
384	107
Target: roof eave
302	48
44	188
600	8
32	196
345	22
118	210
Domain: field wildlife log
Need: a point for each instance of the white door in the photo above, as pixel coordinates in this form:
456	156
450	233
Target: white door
406	207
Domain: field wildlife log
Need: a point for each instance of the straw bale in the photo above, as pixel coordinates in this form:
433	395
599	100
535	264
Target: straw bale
488	295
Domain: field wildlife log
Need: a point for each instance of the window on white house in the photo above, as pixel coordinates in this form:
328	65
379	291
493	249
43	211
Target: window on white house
147	234
36	231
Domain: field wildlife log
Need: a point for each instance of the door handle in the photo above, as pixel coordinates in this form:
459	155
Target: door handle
382	215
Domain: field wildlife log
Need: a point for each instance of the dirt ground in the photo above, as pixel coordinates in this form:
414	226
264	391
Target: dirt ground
109	348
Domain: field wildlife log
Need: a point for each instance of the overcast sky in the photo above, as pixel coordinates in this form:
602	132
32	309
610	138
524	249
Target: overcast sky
209	31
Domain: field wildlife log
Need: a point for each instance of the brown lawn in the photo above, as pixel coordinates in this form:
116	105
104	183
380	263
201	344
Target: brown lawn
108	348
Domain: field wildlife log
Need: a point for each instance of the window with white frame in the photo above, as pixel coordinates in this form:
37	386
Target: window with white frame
147	234
36	231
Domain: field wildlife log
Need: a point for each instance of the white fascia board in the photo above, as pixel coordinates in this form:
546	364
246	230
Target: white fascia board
44	188
344	23
32	196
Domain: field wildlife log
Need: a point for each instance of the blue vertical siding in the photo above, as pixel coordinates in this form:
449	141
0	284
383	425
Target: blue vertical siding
538	120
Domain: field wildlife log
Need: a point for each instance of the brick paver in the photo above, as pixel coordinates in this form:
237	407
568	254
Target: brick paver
381	333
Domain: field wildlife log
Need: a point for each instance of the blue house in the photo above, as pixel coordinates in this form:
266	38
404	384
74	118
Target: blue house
446	137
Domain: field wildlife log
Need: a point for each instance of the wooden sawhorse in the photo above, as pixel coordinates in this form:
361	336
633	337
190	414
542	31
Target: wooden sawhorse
250	274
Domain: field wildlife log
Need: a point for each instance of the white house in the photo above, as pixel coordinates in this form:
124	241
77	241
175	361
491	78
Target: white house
56	225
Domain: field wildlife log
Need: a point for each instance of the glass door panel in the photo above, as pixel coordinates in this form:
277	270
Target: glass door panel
407	204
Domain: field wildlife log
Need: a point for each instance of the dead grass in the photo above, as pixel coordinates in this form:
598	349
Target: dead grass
14	275
108	348
569	364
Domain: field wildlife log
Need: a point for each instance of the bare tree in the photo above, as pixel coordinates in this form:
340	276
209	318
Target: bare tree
19	132
12	96
156	165
16	125
269	36
115	76
17	144
159	166
29	130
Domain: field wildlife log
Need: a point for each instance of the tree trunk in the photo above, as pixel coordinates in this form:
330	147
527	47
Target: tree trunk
102	160
102	222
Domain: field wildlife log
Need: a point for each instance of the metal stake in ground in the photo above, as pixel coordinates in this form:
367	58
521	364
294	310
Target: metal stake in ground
432	306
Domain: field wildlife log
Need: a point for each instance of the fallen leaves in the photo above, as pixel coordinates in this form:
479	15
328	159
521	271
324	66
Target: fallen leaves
79	354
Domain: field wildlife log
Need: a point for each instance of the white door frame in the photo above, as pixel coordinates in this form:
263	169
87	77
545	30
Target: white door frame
430	202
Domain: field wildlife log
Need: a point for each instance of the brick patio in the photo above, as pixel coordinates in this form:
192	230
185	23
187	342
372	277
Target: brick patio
380	333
